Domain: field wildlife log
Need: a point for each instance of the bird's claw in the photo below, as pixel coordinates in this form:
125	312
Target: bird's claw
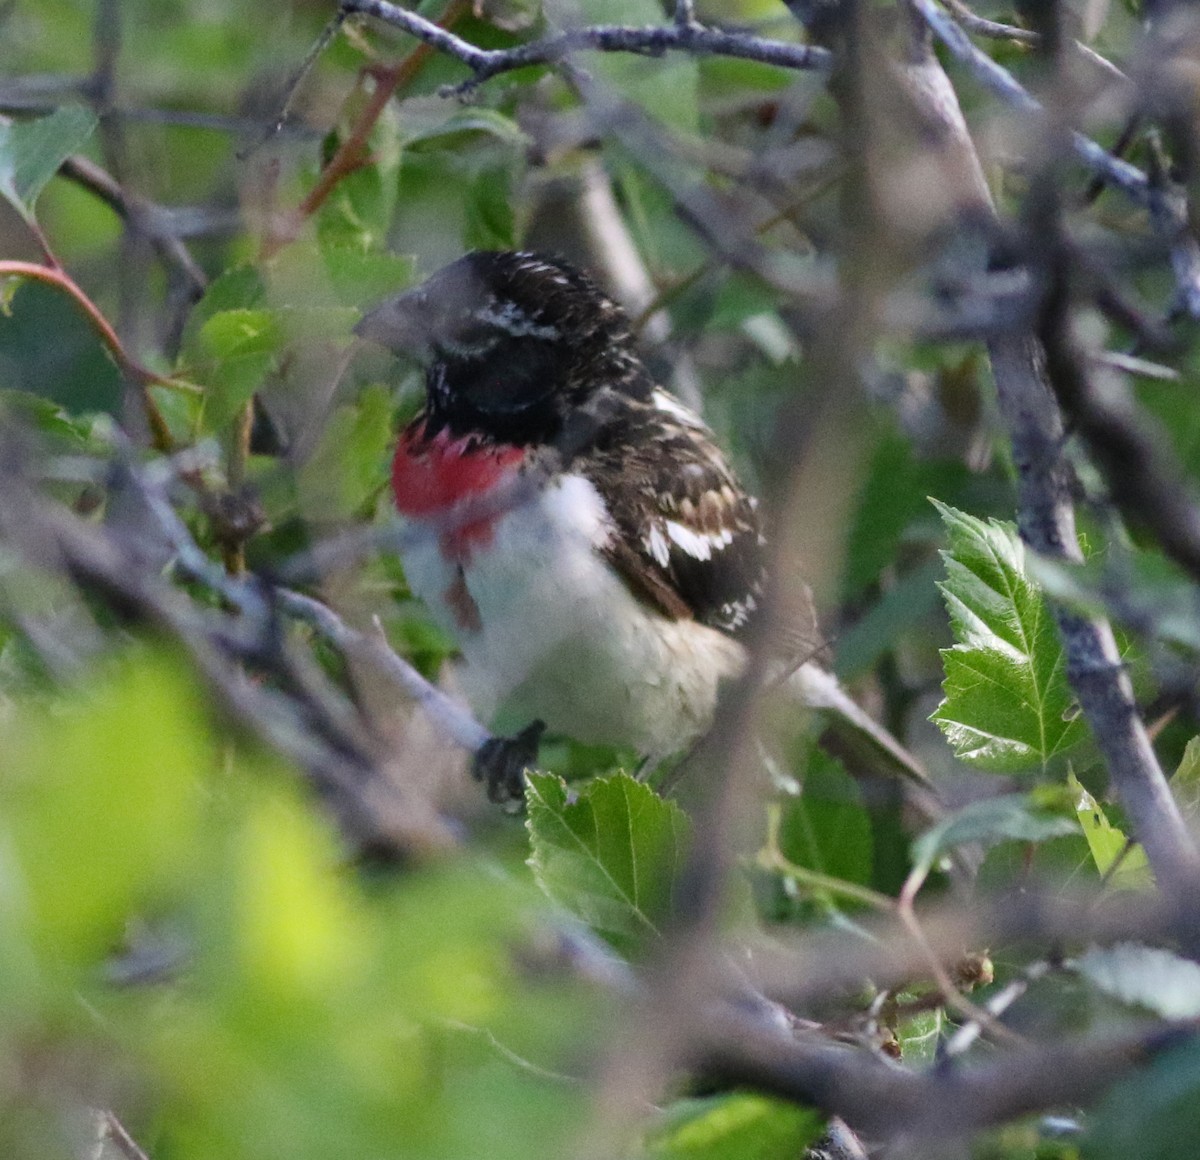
500	763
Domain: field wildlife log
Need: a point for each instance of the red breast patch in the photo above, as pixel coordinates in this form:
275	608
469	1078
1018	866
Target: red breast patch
431	476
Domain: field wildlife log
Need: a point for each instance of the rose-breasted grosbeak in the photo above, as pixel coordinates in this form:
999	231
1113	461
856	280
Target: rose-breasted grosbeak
572	524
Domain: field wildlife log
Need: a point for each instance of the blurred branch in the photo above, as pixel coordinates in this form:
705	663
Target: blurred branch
167	244
451	718
998	80
255	603
652	40
294	710
112	1129
994	30
877	1097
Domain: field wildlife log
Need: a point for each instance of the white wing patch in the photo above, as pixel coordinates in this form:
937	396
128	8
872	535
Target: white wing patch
656	544
676	410
701	545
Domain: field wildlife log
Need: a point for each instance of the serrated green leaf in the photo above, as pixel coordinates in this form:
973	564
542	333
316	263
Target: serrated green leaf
1149	977
734	1126
1007	706
1108	843
612	856
1010	816
238	288
32	151
235	350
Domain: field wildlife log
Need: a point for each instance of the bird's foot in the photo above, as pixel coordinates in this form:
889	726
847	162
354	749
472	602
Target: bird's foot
500	763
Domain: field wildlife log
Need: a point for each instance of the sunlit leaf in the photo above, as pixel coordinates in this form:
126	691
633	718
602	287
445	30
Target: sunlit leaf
235	349
1108	844
1185	785
101	795
1007	706
734	1126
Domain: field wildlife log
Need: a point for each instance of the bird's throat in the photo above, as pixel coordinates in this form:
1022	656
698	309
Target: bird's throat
446	479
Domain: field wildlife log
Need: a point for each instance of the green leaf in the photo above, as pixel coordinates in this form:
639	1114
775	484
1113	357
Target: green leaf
238	288
429	123
490	221
920	1036
360	277
612	856
734	1126
1107	843
1185	785
891	501
1143	976
826	828
100	797
235	350
350	464
32	151
1011	816
1007	707
1152	1115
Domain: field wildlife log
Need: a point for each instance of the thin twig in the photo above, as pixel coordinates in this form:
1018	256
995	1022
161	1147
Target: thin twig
351	153
653	40
998	80
994	30
451	718
112	1129
168	246
142	376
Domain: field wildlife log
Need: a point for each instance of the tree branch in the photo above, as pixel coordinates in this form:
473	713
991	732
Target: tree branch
1046	517
651	40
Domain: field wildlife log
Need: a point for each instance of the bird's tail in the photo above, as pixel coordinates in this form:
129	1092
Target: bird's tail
857	735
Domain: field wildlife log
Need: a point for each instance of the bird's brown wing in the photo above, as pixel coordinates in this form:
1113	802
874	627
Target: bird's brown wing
687	536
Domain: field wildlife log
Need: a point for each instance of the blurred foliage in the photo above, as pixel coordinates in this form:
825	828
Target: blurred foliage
184	935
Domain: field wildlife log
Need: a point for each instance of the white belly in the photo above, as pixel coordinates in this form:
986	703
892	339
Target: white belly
559	636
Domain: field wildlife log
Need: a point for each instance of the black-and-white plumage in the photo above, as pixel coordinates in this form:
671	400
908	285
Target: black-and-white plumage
574	525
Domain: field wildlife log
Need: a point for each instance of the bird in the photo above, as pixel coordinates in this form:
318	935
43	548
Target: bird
572	524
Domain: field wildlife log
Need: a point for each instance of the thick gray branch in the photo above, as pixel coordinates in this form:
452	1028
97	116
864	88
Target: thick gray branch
1047	522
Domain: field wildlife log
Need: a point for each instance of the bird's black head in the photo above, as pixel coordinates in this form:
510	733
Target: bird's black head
517	343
